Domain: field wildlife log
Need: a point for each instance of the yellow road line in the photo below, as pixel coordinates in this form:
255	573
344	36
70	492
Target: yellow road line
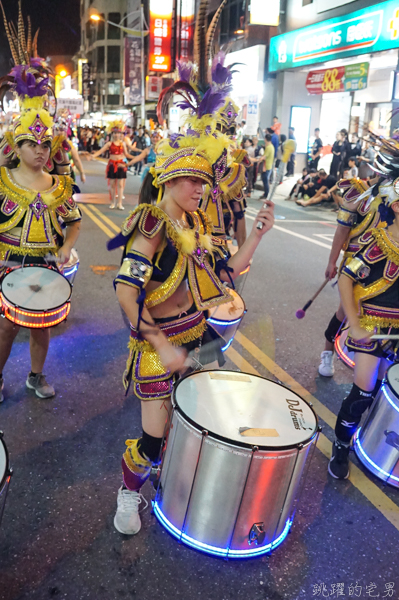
372	492
105	218
97	221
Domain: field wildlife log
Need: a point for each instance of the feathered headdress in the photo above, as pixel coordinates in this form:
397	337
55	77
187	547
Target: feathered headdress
116	126
30	80
202	88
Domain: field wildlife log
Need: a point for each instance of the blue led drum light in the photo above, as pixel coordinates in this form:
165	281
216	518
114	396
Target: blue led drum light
214	550
389	399
371	462
68	273
227	345
224	323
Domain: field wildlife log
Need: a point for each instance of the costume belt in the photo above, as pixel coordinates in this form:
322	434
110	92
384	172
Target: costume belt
117	162
378	317
179	331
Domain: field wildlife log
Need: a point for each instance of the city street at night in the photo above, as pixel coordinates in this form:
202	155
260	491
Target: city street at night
57	537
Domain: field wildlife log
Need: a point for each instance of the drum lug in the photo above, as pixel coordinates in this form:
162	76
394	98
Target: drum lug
155	475
257	534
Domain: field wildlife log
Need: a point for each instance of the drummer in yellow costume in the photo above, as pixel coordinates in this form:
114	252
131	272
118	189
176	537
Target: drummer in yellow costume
369	288
354	219
32	202
173	270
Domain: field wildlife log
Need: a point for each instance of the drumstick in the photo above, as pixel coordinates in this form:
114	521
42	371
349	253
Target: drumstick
289	147
301	312
385	337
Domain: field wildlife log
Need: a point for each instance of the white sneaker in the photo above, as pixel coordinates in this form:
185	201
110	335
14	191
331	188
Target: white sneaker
326	367
127	519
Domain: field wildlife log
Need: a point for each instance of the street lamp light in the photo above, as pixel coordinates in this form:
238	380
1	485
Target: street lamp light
134	33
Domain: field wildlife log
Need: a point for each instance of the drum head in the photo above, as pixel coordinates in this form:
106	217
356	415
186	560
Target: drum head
36	288
393	379
3	462
243	409
230	310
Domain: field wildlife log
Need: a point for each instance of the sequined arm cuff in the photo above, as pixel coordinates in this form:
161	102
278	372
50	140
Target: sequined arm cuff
356	269
136	270
69	211
346	218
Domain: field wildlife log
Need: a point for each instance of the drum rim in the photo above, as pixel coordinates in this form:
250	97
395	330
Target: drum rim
7	469
245	445
226	303
387	382
33	310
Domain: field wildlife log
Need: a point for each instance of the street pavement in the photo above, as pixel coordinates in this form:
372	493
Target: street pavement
57	537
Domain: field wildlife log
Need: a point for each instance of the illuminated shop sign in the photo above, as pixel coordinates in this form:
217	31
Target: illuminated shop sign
368	30
160	58
348	78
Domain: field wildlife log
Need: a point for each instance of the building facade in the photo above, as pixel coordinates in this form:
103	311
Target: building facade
335	64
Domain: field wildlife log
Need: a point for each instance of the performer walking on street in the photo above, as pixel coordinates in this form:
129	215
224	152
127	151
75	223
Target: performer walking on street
369	288
33	203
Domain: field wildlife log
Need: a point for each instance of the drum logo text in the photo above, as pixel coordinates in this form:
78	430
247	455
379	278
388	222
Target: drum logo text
296	414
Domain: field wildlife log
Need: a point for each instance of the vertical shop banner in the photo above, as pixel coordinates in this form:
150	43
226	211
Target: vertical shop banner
133	70
349	78
251	127
160	56
86	75
186	33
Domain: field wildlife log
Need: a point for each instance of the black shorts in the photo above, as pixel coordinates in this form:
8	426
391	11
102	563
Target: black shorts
388	349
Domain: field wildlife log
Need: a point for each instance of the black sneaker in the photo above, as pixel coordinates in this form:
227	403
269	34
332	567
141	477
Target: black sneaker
338	467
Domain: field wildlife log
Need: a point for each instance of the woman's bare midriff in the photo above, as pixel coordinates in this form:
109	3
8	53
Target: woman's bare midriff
179	302
117	156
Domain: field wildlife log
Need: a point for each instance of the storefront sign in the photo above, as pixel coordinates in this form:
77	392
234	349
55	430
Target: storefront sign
154	87
86	77
73	105
372	29
133	71
186	29
338	79
251	127
160	57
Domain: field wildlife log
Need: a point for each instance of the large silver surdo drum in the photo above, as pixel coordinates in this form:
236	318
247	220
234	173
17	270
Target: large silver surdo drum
234	458
377	442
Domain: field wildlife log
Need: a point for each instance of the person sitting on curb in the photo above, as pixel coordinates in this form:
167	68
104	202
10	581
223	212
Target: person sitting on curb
323	184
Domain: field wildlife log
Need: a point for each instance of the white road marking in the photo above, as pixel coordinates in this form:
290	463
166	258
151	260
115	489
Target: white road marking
298	235
325	236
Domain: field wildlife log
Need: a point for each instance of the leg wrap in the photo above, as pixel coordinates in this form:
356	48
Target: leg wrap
332	329
150	447
351	412
138	459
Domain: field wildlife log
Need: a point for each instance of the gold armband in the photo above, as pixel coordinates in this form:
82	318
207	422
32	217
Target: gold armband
356	269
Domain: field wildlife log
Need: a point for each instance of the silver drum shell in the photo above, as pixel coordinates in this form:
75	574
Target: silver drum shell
219	490
371	447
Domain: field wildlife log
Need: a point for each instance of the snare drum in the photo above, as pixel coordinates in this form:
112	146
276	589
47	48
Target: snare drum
35	296
234	459
347	356
5	474
377	442
70	268
226	318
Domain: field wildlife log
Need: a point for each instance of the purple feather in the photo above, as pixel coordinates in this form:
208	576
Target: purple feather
221	75
185	70
211	102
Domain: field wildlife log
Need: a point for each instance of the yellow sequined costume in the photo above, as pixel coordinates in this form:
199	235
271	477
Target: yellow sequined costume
30	221
193	254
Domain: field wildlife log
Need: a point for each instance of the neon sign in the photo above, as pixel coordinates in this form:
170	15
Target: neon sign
160	56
